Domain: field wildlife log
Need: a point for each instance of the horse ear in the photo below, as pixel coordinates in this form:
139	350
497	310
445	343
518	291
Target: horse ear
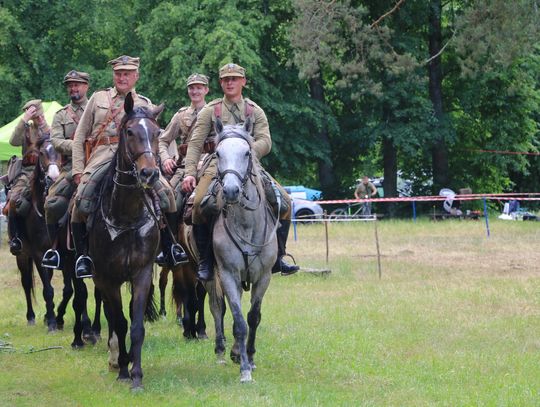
128	103
158	110
218	126
248	125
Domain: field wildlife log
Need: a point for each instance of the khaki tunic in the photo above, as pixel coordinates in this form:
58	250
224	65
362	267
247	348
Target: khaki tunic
62	132
18	138
231	113
179	131
93	125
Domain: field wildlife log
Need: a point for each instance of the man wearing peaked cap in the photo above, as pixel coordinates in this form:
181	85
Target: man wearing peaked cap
63	127
94	145
31	128
177	135
233	108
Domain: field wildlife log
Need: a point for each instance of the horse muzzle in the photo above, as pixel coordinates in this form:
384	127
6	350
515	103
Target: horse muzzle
53	172
148	177
231	192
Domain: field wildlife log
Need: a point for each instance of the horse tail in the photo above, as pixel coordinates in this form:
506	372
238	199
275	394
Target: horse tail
151	313
215	291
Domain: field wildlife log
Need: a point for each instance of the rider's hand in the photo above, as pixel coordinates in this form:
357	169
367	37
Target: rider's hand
77	179
29	113
169	166
188	184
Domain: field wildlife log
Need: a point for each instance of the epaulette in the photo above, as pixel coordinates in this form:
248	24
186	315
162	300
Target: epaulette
215	101
144	98
182	109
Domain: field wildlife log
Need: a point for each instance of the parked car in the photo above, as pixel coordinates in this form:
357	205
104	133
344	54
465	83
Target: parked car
300	191
305	209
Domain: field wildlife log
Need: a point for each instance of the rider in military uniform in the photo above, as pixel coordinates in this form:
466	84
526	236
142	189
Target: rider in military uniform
62	131
233	108
30	129
173	141
94	146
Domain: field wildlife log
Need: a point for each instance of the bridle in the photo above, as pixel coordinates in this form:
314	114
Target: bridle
132	159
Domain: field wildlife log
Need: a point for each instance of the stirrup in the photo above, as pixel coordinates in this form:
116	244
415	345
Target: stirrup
84	267
51	259
178	255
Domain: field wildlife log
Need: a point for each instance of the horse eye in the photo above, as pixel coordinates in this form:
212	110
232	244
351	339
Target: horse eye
129	132
247	154
217	154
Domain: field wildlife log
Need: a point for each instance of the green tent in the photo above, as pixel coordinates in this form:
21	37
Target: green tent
6	149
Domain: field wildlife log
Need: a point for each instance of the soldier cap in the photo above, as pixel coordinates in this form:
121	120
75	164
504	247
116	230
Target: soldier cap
74	76
125	63
37	104
232	70
197	78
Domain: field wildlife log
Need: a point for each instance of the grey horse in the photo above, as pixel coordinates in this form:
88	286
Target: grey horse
244	242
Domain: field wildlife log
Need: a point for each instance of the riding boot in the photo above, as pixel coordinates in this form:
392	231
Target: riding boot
15	226
51	258
172	253
282	236
205	271
84	265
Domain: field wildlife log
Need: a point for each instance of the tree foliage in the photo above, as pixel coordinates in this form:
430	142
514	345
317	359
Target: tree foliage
370	59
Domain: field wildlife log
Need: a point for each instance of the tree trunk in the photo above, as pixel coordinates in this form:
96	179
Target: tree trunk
325	168
439	151
389	152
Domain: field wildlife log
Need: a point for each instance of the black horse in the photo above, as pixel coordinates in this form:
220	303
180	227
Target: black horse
124	235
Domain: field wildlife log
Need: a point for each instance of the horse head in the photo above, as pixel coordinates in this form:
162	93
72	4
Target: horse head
48	160
234	158
138	144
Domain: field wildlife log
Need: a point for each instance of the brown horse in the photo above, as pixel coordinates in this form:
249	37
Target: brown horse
188	294
34	234
124	235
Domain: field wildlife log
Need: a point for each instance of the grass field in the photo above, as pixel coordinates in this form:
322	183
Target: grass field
454	321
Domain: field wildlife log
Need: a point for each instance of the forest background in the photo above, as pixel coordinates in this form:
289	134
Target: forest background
376	87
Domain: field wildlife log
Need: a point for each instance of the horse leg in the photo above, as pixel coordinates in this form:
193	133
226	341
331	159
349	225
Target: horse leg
218	311
233	292
117	330
48	295
163	276
25	266
254	315
79	306
140	297
190	307
67	292
96	325
200	326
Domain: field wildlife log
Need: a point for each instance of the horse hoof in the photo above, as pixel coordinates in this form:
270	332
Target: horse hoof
245	376
123	379
89	338
202	335
113	367
235	357
60	326
136	386
52	329
31	322
77	345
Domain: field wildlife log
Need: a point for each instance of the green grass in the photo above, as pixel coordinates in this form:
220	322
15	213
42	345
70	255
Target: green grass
454	321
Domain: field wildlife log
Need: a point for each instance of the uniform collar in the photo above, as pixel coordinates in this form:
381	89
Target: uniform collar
230	104
115	93
77	106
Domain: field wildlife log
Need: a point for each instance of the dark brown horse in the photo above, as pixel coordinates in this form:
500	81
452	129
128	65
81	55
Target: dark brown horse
124	235
34	236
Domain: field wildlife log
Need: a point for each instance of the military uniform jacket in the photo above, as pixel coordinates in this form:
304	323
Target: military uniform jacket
179	129
231	113
94	124
34	133
63	128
